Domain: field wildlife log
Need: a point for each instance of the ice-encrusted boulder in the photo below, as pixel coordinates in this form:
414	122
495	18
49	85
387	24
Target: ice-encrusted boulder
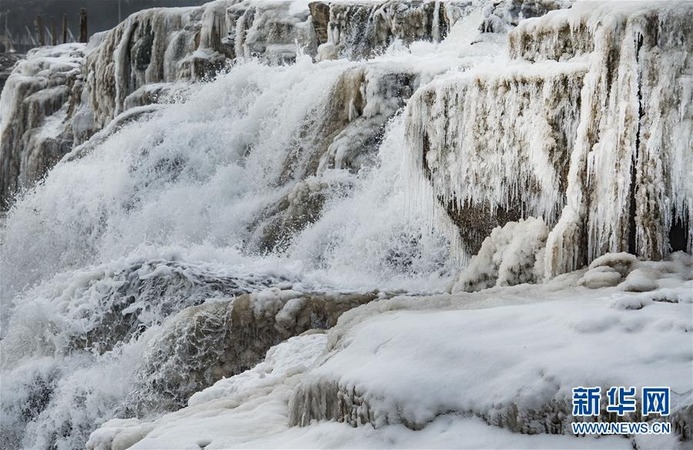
589	126
222	338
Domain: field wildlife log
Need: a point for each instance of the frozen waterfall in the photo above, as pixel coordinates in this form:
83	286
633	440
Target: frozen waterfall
197	186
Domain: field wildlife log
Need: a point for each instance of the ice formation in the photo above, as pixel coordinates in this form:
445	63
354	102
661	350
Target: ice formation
587	125
362	378
37	102
142	59
371	375
246	171
507	257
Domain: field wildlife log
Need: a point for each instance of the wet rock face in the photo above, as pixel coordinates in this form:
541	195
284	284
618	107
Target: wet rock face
222	338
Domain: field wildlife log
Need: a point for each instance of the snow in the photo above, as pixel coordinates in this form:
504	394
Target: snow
448	367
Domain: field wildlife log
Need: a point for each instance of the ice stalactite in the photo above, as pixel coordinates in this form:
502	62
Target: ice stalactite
496	146
37	103
629	184
588	126
152	46
362	30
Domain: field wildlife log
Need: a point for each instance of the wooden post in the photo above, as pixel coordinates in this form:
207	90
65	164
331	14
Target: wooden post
40	34
83	35
64	28
54	35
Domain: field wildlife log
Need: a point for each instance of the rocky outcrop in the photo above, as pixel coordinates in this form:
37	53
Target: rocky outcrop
223	338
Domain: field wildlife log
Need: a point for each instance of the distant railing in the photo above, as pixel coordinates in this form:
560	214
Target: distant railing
42	34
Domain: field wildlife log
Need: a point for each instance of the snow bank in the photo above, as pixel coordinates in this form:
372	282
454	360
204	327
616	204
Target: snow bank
443	366
483	355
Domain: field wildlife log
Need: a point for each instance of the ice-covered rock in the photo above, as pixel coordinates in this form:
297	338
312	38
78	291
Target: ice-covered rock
37	103
152	46
222	338
506	258
511	363
358	30
589	126
275	31
496	142
636	122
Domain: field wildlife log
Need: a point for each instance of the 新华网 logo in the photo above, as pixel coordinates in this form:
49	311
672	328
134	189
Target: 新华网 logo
621	400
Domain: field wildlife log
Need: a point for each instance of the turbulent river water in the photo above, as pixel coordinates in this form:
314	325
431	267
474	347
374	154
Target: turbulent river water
179	207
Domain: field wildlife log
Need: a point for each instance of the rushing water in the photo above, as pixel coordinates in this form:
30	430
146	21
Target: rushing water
172	210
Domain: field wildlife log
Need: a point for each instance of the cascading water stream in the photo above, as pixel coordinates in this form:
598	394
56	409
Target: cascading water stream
173	210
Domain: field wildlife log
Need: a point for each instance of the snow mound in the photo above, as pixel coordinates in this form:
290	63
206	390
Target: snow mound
507	257
513	366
